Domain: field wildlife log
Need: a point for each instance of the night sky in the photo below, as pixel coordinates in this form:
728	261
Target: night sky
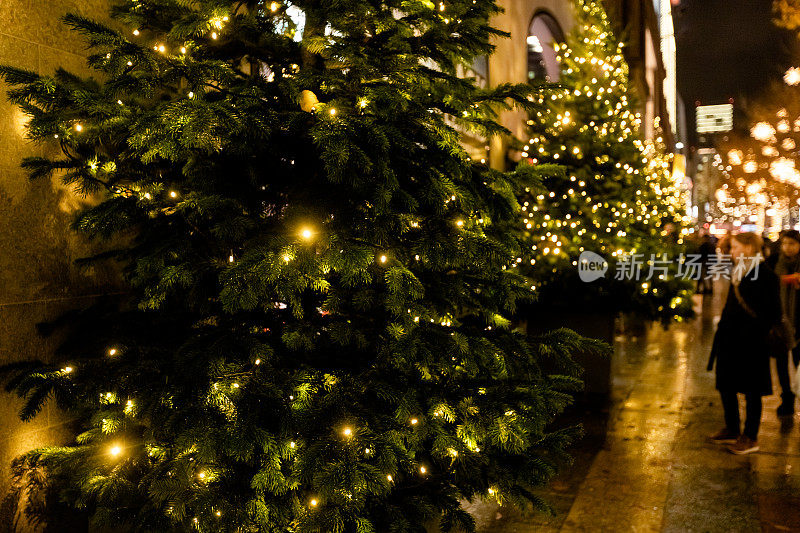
728	49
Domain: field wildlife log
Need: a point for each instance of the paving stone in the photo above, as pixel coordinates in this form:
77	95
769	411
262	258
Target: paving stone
654	469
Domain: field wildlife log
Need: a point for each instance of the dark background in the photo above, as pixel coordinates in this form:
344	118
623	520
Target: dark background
728	49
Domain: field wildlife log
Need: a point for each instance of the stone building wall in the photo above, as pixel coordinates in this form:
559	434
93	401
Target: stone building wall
38	278
509	64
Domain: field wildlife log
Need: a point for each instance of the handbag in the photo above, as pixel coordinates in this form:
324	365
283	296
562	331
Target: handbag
781	336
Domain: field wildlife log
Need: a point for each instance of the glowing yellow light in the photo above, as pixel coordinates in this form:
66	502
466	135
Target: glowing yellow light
115	450
173	194
763	131
274	6
136	32
389	477
414	421
201	475
306	233
78	127
383	259
459	223
347	432
792	76
214	35
67	369
112	351
183	49
313	503
257	362
292	444
191	94
422	470
332	111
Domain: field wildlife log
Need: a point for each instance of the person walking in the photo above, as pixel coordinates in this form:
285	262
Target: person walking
740	348
707	249
786	265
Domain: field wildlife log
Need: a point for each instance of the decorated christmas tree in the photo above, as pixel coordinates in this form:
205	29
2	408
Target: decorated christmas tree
316	335
616	197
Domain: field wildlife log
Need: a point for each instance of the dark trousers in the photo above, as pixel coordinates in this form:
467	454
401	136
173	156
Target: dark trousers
730	404
782	364
705	285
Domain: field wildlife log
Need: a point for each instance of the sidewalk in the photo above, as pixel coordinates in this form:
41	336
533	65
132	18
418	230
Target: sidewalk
655	471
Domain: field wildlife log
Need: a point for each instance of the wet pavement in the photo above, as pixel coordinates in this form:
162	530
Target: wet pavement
646	464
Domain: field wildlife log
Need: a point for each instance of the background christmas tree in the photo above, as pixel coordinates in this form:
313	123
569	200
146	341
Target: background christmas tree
615	198
316	336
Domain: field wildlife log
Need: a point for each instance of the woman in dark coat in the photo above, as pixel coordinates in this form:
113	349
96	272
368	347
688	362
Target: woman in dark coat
740	346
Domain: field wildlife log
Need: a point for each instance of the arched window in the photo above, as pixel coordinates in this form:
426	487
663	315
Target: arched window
543	33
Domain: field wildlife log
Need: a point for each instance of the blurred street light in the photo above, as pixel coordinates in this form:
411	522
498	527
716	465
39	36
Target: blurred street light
792	76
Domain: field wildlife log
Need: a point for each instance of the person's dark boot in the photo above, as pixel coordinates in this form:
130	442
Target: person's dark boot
787	405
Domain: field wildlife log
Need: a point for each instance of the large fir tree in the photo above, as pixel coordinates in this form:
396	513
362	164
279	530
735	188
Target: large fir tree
616	197
316	337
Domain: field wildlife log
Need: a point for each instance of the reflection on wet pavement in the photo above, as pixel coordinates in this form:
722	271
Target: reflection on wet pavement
652	468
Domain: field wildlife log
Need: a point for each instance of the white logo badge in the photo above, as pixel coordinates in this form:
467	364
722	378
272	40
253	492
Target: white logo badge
591	266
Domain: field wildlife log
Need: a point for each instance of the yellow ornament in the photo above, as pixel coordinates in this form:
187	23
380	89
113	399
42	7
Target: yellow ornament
308	101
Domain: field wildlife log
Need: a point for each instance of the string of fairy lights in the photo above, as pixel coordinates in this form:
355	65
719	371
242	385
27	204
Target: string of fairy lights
581	214
306	234
566	220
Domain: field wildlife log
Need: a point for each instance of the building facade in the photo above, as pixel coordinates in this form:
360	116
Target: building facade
535	25
38	276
